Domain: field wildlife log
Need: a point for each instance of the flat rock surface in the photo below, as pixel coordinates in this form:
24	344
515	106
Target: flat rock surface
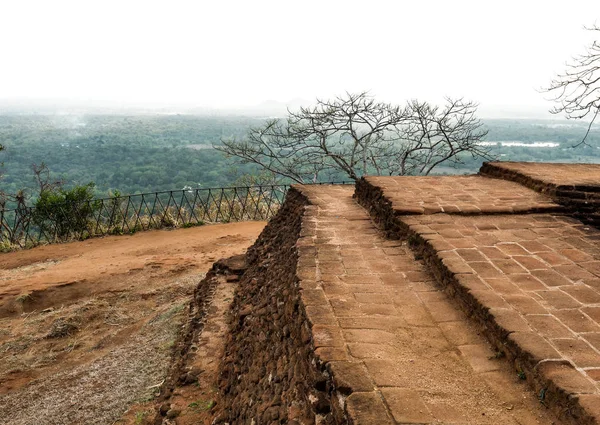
398	348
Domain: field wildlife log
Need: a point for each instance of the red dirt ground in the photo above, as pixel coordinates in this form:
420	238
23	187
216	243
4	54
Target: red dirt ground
95	320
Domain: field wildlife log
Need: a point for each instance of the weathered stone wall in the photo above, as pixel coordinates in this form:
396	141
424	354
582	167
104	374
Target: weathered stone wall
270	374
197	312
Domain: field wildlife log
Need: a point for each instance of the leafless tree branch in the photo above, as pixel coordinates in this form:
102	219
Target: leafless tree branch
356	135
577	90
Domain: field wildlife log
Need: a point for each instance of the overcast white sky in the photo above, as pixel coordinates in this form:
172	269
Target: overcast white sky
234	53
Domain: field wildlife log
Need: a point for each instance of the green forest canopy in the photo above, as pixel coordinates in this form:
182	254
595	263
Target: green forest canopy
147	153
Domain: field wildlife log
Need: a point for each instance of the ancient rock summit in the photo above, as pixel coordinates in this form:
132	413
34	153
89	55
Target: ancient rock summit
422	300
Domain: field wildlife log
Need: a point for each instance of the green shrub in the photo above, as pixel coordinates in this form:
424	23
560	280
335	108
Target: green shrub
66	213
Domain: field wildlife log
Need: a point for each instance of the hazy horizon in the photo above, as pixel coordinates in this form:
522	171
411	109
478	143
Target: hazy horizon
268	107
235	55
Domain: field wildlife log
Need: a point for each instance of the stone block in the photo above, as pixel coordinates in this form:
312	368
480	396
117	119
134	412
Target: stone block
407	406
367	408
350	377
480	357
532	347
565	377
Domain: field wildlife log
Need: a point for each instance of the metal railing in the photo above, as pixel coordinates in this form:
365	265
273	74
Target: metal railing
26	227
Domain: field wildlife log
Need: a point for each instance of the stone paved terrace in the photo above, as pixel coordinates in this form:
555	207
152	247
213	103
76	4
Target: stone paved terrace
575	186
550	174
460	195
526	273
394	342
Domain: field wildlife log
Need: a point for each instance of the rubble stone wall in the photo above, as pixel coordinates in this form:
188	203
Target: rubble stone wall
269	374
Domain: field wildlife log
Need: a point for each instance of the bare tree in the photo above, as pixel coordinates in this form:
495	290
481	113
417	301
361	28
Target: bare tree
41	175
356	135
577	90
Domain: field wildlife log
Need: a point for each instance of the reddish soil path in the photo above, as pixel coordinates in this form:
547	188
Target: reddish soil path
68	271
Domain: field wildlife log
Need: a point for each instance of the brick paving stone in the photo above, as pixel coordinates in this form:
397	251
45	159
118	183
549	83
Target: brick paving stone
593	283
372	322
555	174
327	336
528	282
446	413
389	335
553	258
380	309
548	326
535	247
416	315
442	311
592	266
468	194
594	339
534	347
471	282
551	278
486	269
371	351
576	255
583	293
498	381
407	406
471	254
329	354
314	297
492	252
593	312
458	265
594	374
580	352
392	373
432	296
533	269
319	315
350	377
511	248
480	357
524	303
529	262
334	288
557	299
369	336
513	265
367	409
509	320
567	377
373	297
364	289
502	285
574	272
576	320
